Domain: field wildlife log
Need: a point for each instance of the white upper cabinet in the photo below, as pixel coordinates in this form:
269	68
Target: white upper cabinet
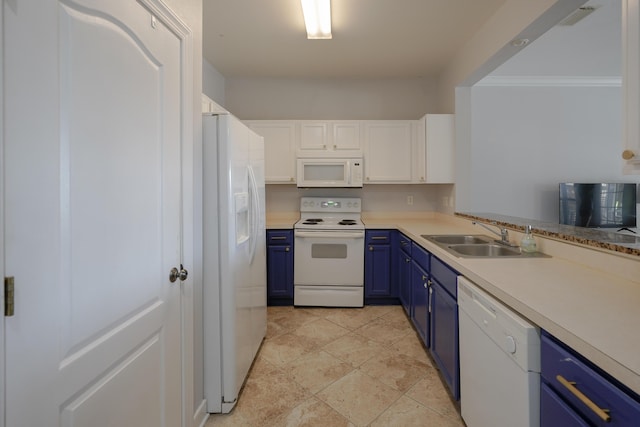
631	85
279	149
439	148
324	136
393	152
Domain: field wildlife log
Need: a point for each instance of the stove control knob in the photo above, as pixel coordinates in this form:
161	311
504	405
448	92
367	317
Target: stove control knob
510	344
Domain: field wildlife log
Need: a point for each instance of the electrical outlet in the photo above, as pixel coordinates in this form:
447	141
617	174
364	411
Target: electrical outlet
410	200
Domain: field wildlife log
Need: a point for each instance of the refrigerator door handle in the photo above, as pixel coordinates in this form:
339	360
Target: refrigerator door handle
254	212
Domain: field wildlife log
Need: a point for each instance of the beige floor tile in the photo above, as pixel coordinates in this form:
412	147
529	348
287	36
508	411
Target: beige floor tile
284	348
353	348
351	318
285	319
312	413
430	392
382	331
264	399
396	370
319	332
315	371
397	318
359	397
411	345
406	412
233	419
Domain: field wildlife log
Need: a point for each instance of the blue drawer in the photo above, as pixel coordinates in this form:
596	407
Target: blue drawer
378	237
446	276
560	362
279	237
420	256
404	243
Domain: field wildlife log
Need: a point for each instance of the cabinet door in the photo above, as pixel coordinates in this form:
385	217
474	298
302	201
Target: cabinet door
404	281
420	301
444	336
279	150
388	151
377	274
279	272
345	135
439	148
314	136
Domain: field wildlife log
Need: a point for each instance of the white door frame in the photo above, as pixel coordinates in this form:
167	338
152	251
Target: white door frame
184	33
2	379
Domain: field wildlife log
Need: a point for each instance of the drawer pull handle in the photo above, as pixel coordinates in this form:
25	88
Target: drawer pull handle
379	238
570	385
279	238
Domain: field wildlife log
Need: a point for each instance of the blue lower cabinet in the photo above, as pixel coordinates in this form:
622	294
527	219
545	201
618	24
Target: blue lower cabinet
279	267
403	272
420	301
569	381
379	284
444	336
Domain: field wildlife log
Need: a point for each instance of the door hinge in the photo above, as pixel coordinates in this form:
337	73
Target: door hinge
8	296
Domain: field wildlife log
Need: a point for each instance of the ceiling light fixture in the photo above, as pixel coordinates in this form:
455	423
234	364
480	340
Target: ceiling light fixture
317	18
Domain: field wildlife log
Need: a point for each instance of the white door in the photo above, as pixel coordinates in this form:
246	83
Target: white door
92	160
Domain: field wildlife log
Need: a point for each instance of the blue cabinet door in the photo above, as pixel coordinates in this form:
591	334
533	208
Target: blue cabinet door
280	267
444	335
380	286
420	301
404	281
377	273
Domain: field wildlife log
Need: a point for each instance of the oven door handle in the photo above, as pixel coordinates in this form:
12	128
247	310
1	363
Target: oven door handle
330	234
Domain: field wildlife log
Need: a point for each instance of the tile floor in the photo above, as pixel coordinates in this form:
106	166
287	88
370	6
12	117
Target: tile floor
341	367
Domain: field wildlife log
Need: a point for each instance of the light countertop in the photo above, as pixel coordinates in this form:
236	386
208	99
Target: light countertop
588	298
281	220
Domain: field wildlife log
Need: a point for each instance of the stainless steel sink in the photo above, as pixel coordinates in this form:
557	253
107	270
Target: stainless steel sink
485	250
478	246
458	239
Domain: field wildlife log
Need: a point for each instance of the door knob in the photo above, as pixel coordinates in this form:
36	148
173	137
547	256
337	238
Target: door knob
176	274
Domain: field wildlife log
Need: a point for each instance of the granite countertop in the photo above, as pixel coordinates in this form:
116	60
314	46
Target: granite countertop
587	297
599	238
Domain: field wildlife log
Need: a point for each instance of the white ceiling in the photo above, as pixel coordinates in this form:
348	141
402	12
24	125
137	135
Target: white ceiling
371	38
394	38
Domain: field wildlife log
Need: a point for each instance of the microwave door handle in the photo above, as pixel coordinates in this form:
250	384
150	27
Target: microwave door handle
348	171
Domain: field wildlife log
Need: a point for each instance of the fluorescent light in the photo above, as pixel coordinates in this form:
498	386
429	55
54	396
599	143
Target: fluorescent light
317	18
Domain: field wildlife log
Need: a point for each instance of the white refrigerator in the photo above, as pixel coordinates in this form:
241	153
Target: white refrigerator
234	256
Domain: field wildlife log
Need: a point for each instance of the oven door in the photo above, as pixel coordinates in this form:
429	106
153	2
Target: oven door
329	258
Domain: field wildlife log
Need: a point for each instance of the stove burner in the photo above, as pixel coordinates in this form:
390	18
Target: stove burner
312	221
347	222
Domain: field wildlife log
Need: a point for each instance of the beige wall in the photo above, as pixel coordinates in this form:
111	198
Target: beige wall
350	99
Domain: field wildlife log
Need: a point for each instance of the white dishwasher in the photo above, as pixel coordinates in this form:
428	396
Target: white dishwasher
499	362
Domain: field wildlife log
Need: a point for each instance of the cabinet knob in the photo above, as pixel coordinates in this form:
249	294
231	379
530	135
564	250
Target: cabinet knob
407	260
367	178
425	285
287	249
371	248
291	179
424	277
628	154
335	147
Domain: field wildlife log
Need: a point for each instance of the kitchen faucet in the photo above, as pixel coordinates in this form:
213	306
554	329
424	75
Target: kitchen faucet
504	233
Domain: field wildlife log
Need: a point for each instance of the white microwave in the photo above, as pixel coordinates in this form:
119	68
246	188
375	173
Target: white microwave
330	172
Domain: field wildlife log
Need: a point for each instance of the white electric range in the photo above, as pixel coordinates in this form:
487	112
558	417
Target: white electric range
329	253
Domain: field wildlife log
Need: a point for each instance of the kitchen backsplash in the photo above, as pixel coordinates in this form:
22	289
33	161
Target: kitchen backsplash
381	198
